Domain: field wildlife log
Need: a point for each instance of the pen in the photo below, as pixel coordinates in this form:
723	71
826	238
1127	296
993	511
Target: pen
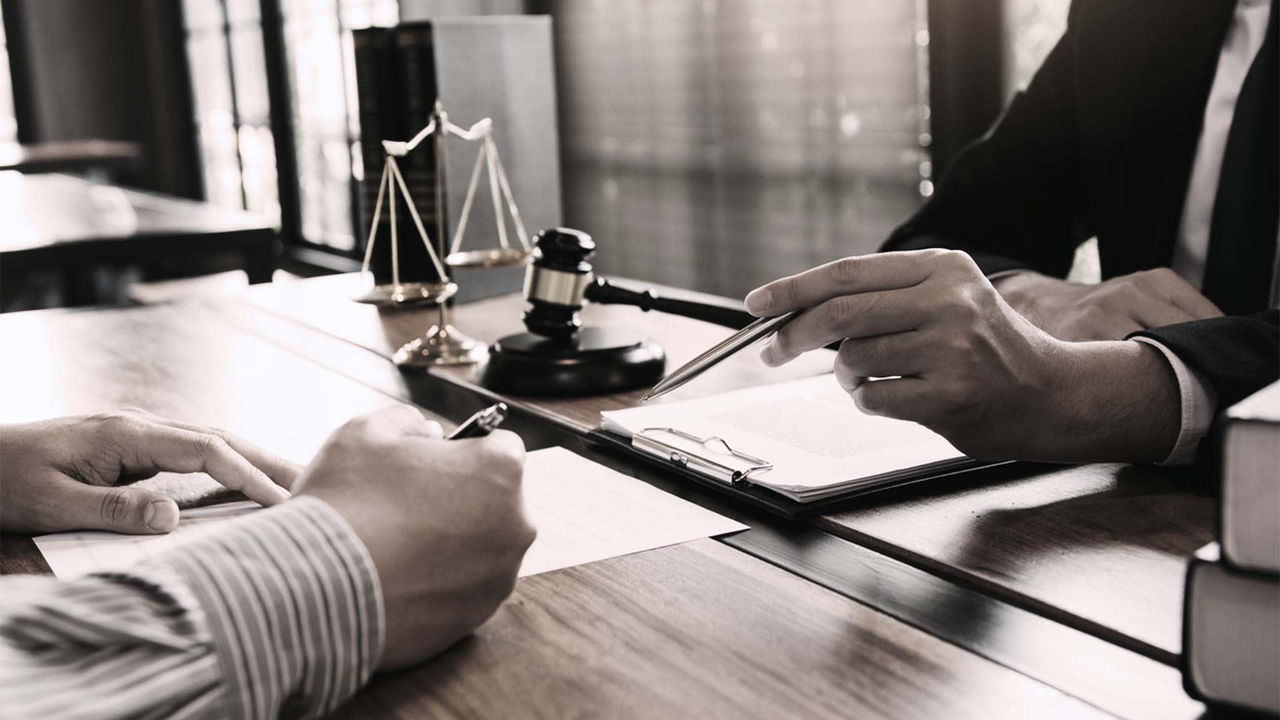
719	352
481	424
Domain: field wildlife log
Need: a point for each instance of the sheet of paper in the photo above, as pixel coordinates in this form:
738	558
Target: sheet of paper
584	512
812	433
72	554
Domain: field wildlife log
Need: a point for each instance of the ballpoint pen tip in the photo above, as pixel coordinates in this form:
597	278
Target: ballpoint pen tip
646	397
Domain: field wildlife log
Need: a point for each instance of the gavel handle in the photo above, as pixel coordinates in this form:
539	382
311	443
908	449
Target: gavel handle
729	313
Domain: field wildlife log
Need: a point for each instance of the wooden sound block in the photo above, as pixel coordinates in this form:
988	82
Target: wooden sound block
594	361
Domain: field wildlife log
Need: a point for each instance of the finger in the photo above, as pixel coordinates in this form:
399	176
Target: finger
901	398
861	315
900	354
119	509
281	471
154	446
397	421
847	276
1183	294
1150	311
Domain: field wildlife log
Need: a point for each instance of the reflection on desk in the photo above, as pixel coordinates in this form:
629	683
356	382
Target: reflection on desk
698	630
1100	547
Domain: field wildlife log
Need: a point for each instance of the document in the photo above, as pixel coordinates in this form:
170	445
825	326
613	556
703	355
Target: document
811	436
583	511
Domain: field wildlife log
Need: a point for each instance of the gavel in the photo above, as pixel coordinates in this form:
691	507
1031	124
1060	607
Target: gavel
560	280
561	356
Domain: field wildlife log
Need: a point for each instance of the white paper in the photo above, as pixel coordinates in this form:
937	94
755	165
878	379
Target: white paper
810	430
586	512
72	554
583	511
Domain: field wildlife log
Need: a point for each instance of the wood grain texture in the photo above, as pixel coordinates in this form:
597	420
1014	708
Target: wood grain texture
698	630
701	630
179	361
1100	547
324	304
1110	677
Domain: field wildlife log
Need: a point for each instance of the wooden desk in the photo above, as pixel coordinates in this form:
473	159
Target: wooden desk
1101	548
697	630
67	224
70	156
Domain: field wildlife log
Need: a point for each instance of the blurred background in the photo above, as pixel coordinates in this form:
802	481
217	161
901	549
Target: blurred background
706	144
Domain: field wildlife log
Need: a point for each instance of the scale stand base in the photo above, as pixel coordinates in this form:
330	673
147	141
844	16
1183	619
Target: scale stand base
595	361
441	345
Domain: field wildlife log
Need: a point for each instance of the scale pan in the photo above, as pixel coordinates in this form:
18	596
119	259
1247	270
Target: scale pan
496	257
408	294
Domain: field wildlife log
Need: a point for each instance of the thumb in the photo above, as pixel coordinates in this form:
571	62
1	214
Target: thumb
119	509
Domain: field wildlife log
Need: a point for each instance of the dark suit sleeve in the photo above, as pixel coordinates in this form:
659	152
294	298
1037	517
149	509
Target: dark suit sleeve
1011	199
1238	355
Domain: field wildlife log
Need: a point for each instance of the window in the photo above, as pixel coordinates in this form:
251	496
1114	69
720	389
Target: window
717	144
324	113
8	121
227	51
232	108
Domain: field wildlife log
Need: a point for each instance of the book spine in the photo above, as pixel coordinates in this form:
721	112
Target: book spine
1184	659
417	92
384	58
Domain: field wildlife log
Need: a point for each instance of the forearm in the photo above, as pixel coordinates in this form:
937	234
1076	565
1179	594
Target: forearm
280	607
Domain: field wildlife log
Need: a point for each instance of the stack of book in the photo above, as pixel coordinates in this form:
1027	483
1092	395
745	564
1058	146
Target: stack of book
1231	625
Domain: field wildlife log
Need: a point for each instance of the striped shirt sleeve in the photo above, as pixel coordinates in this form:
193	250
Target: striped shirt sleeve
277	615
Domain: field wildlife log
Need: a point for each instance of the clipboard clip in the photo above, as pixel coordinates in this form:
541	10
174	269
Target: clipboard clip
684	459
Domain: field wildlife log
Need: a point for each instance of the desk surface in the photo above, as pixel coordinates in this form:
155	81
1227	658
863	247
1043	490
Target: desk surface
45	210
699	629
1102	548
70	156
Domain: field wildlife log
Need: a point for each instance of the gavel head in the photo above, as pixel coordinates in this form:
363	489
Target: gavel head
555	283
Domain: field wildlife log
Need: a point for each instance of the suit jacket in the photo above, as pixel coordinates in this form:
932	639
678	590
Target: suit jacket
1102	143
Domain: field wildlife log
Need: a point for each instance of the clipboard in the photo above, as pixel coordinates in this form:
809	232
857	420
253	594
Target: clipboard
737	482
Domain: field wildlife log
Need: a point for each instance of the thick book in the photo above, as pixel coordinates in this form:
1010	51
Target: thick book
1250	503
1231	635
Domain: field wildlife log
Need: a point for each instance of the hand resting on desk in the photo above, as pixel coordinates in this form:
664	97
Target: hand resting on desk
1109	310
959	360
66	474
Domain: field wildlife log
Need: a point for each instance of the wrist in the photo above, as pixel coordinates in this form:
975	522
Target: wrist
1114	401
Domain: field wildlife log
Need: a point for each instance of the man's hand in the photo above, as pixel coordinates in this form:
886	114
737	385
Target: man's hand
1109	310
443	521
65	474
955	357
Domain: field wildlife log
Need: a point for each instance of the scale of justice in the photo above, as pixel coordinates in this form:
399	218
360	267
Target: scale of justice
558	355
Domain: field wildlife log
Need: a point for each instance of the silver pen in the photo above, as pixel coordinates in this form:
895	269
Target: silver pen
721	350
480	424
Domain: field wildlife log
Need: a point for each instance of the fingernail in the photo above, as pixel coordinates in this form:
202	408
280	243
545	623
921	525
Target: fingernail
160	516
758	300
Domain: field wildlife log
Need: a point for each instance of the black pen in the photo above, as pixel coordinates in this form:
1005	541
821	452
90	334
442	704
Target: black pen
482	423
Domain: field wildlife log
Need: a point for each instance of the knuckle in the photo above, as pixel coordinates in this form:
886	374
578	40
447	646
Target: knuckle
210	445
957	260
845	271
846	310
115	506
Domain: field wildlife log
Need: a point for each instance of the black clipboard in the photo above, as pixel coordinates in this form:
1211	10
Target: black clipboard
759	496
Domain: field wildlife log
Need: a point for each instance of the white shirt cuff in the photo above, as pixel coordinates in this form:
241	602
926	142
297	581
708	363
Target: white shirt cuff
1199	403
